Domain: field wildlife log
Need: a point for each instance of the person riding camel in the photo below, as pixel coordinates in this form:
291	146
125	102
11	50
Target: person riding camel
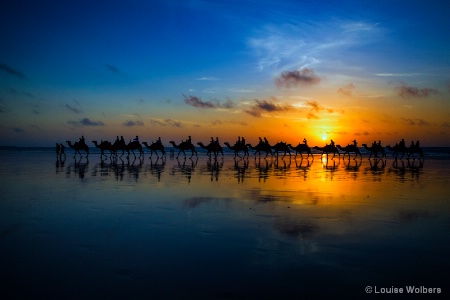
355	143
136	139
159	140
189	140
243	141
217	140
332	143
305	142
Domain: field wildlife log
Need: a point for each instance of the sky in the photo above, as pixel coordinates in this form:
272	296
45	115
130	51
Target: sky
284	70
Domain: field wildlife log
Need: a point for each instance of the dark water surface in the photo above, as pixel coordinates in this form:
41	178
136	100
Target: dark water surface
225	229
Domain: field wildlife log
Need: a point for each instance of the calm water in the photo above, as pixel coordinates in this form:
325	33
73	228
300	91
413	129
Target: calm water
225	229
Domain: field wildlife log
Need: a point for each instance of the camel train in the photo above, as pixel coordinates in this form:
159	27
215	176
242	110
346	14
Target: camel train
242	149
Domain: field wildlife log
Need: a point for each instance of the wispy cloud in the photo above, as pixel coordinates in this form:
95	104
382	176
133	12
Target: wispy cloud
208	78
296	45
406	91
198	102
415	122
86	122
73	109
112	69
11	71
303	77
166	122
396	74
347	90
262	106
130	123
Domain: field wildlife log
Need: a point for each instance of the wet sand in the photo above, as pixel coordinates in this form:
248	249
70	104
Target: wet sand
225	229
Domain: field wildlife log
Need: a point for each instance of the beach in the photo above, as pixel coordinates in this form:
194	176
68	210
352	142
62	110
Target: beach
225	228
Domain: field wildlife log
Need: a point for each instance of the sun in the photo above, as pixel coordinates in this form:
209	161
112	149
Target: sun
324	137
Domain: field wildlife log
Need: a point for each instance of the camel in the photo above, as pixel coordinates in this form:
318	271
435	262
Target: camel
134	146
328	149
396	150
283	147
415	149
104	146
212	147
183	146
78	146
301	148
158	146
261	147
348	149
374	150
238	147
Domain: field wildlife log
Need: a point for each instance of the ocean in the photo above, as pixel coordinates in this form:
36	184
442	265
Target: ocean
225	228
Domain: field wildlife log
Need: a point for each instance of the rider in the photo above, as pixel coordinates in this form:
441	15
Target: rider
189	140
243	141
136	139
332	143
355	143
305	142
159	140
217	140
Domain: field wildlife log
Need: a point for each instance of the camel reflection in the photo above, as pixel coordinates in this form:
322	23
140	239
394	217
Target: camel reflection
262	167
240	168
214	167
185	168
303	167
135	167
79	167
156	168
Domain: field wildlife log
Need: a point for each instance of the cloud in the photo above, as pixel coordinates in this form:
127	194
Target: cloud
198	102
18	129
166	122
312	116
130	123
347	90
262	106
86	122
12	71
406	91
112	69
365	133
314	105
396	74
208	79
415	122
73	109
303	77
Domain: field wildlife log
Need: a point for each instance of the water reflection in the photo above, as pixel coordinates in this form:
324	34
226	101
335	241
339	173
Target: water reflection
241	169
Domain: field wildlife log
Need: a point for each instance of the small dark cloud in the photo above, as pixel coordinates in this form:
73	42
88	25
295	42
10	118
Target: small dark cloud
167	122
415	122
347	90
11	71
198	102
303	77
112	69
406	91
37	128
18	129
262	106
314	105
130	123
73	109
365	133
312	116
86	122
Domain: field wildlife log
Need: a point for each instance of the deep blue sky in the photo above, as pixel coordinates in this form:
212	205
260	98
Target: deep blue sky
102	68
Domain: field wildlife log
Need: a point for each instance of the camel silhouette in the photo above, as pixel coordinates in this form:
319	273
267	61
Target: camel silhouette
261	147
237	148
327	149
131	146
374	150
104	146
397	149
212	147
281	147
350	149
157	146
301	148
78	146
183	146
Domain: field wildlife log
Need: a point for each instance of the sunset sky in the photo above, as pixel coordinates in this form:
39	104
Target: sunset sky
286	70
